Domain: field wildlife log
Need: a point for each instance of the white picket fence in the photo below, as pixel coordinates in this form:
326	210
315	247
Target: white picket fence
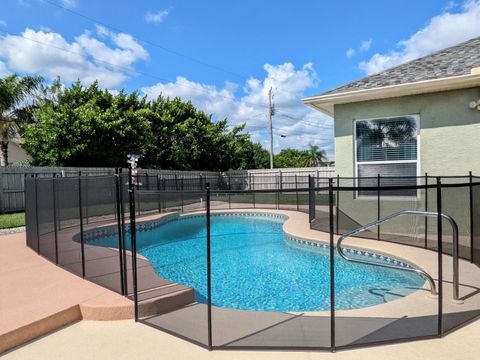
289	178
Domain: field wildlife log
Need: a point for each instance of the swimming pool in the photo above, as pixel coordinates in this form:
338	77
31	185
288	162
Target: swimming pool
255	266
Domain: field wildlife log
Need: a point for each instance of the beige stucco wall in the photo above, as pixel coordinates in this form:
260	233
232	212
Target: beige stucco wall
449	145
16	154
449	130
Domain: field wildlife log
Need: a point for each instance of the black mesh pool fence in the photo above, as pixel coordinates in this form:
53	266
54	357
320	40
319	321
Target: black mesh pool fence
157	241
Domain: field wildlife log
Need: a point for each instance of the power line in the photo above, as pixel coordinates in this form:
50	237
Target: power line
286	135
132	71
305	121
164	48
311	124
125	68
149	42
319	126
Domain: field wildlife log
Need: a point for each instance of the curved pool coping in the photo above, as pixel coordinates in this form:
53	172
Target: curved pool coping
304	243
297	226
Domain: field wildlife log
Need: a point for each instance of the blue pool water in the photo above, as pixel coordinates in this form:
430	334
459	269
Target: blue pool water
255	268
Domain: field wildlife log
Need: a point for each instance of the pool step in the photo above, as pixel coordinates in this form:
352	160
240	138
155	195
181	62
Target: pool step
164	299
39	328
153	302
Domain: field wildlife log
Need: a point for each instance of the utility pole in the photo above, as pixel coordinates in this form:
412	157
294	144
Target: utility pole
271	112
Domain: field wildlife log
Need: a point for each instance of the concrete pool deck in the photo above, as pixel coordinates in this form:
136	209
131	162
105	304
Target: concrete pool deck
34	289
38	297
414	315
126	340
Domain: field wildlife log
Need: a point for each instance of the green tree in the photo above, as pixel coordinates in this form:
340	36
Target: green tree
250	155
15	93
187	139
290	158
293	158
315	156
88	127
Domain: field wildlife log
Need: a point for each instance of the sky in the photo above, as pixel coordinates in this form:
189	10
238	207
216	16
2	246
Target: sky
225	55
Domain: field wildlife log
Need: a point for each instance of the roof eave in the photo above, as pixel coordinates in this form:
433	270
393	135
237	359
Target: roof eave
325	103
326	109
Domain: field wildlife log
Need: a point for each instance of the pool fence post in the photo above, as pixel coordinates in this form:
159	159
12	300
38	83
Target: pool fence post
181	192
426	209
86	197
332	266
440	253
124	241
119	229
54	203
471	216
59	222
35	176
278	180
337	201
164	186
159	195
80	206
209	272
229	194
133	240
296	187
378	205
252	187
311	203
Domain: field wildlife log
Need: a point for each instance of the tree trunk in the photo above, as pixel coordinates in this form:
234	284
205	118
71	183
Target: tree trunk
4	152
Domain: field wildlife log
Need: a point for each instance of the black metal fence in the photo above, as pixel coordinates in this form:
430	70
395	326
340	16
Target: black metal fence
63	212
103	228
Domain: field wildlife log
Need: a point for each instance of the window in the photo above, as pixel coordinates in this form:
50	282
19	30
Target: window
388	147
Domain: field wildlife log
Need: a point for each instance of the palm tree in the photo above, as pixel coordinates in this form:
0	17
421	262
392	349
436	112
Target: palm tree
315	156
15	92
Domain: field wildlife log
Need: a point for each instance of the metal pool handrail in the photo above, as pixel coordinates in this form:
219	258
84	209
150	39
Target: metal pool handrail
423	273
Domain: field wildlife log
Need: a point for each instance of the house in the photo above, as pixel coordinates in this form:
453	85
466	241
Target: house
16	154
419	117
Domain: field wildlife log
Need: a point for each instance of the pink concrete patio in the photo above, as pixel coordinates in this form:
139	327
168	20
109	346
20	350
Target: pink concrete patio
38	297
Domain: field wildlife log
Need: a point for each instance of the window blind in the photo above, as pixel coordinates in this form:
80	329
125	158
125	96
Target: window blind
389	139
393	174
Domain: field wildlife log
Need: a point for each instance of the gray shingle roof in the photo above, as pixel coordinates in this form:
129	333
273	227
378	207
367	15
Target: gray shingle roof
453	61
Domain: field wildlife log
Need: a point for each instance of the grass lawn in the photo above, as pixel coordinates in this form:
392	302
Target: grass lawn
12	220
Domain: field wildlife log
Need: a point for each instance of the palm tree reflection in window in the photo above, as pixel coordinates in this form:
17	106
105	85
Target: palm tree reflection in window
387	139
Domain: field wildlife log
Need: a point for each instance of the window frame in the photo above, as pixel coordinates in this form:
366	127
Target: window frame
417	161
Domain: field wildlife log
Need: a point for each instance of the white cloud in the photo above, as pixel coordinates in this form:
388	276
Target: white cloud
300	124
441	31
350	53
70	4
87	58
156	17
366	45
3	23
